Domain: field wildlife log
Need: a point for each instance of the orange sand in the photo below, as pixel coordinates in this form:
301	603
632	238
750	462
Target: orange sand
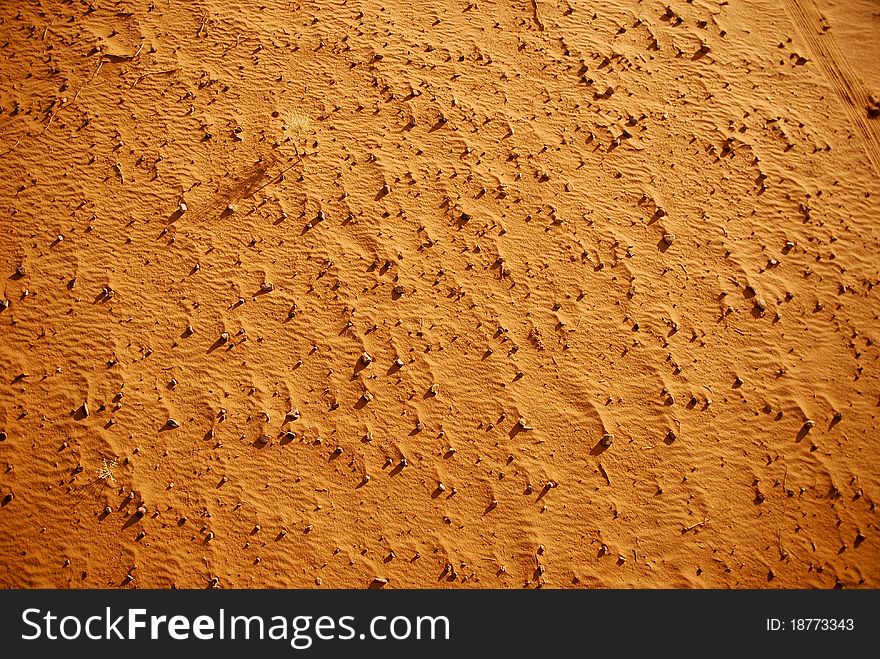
610	218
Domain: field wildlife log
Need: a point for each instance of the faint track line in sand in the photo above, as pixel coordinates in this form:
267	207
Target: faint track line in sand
243	185
535	16
846	83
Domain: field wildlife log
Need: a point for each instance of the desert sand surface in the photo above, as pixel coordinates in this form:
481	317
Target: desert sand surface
355	294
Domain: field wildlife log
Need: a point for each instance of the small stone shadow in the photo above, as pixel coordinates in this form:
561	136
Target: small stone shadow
176	215
543	492
219	342
131	521
599	448
662	245
803	432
